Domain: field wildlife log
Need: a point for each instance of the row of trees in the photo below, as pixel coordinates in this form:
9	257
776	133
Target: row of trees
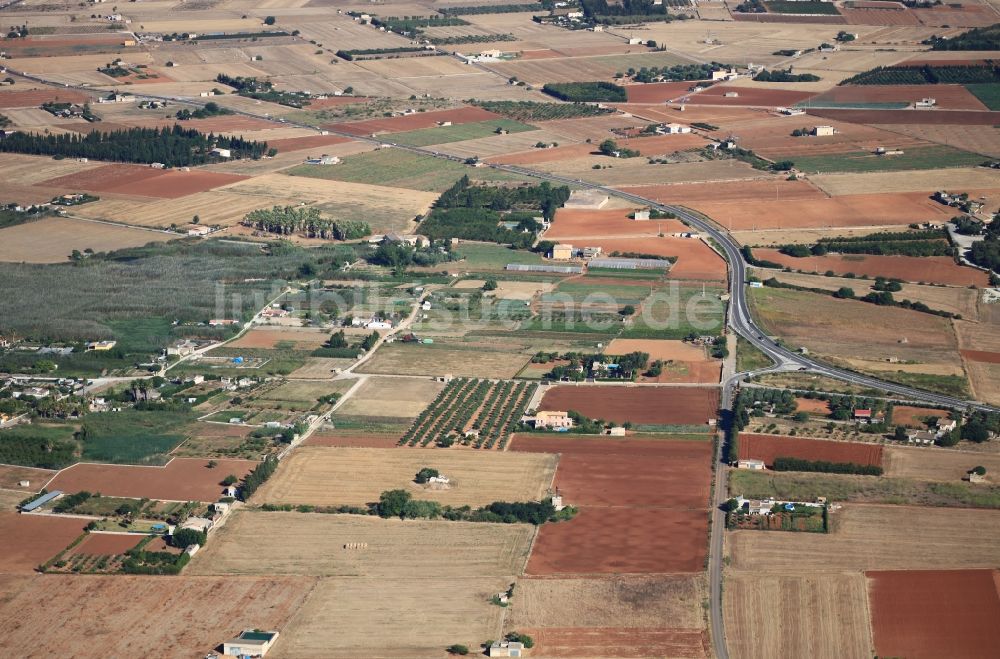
174	146
258	476
400	503
286	220
798	464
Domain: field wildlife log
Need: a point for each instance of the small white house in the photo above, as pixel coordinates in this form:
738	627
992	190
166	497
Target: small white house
222	153
675	129
823	131
250	643
925	103
748	463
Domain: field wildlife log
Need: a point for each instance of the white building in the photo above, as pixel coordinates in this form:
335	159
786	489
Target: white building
823	131
250	643
757	465
675	129
222	153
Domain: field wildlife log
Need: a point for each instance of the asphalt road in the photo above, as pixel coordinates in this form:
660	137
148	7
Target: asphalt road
740	320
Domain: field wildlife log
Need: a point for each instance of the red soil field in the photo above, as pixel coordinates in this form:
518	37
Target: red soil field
183	479
907	415
841	211
11	475
27	541
657	92
769	447
920	614
949	97
107	544
957	15
622	541
336	101
642	505
695	259
617	642
602	471
749	96
225	124
932	269
982	356
789	18
308	142
812	406
415	121
731	191
365	440
922	117
159	544
898	15
573	222
542	53
640	405
144	181
35	97
609	49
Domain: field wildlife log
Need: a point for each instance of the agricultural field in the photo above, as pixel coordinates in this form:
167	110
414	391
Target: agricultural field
828	611
391	397
27	541
182	479
469	360
478	413
11	476
770	447
69	608
312	544
876	537
323	476
643	505
936	465
53	239
640	405
913	158
926	613
682	362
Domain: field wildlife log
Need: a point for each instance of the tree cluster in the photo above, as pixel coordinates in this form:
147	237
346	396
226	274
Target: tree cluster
305	220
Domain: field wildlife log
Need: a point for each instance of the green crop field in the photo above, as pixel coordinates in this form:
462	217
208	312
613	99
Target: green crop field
470	131
402	169
988	93
810	7
133	437
488	256
931	157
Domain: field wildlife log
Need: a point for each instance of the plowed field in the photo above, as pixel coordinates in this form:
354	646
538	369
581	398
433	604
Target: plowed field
948	97
183	479
935	613
27	541
954	117
657	92
416	121
750	96
932	269
144	181
642	405
769	447
106	544
572	222
572	642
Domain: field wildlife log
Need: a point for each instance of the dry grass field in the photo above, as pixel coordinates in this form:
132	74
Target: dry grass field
927	180
869	537
955	300
937	465
123	616
356	476
823	616
313	544
319	368
391	619
51	240
300	338
458	359
213	207
303	394
396	397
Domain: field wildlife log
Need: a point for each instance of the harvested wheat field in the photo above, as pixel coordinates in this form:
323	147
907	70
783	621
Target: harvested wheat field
182	479
939	465
297	338
353	439
460	360
842	211
395	397
313	544
390	619
924	614
53	239
579	223
822	616
509	290
615	616
769	447
356	476
640	405
12	475
106	544
27	541
136	616
317	368
931	269
736	192
287	144
876	537
569	152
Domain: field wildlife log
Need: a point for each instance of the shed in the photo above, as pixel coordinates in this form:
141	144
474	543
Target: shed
250	643
41	501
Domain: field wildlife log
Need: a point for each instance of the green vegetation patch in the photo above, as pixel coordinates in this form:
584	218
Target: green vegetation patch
586	91
930	157
46	447
988	94
958	74
808	7
535	111
459	133
980	38
132	436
